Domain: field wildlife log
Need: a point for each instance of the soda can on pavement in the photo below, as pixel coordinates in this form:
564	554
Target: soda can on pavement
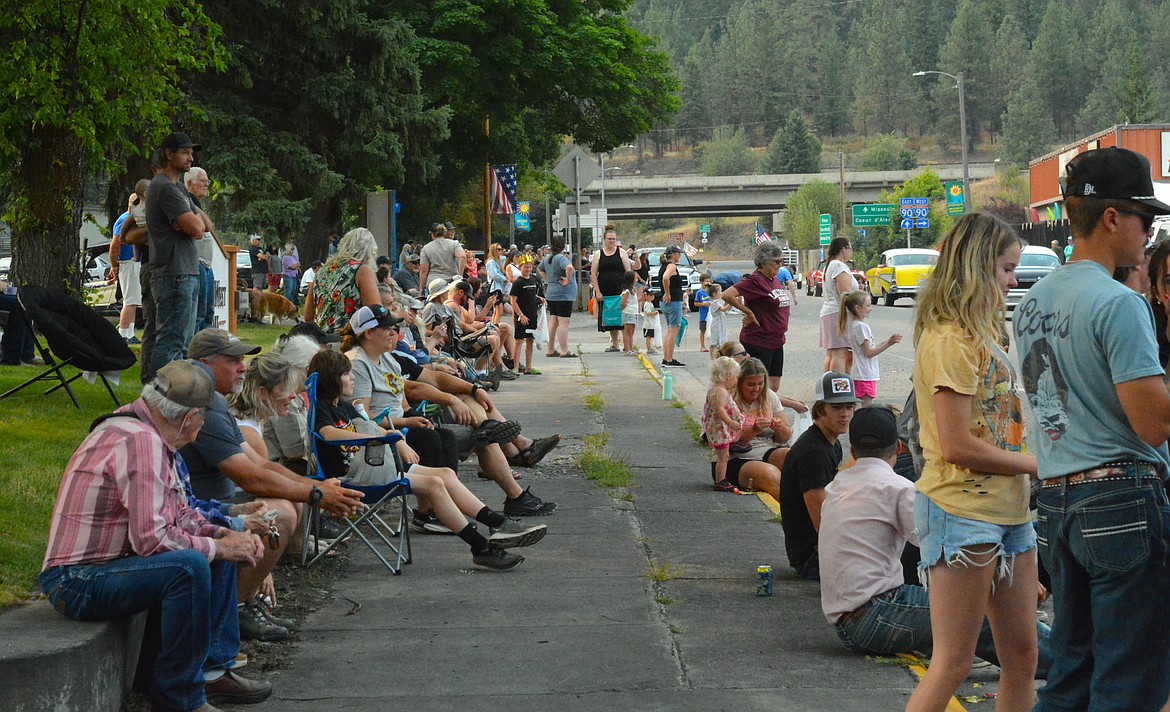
763	580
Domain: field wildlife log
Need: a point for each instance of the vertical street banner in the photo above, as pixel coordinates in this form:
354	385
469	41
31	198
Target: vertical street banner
523	215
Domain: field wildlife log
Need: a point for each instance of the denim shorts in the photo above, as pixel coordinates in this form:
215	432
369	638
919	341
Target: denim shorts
942	536
673	313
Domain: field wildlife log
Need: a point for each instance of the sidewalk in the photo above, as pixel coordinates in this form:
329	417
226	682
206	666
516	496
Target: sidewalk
580	625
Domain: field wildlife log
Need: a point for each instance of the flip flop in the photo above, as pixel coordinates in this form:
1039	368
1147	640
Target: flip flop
553	354
566	355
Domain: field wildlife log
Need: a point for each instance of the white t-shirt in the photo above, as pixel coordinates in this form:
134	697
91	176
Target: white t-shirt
631	308
832	303
864	367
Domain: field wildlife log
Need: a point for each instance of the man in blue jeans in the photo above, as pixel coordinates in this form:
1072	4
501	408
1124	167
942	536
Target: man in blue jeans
866	520
124	539
174	227
1091	372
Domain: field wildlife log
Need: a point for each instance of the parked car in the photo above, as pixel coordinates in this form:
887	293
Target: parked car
1035	264
687	267
243	269
899	272
5	267
814	286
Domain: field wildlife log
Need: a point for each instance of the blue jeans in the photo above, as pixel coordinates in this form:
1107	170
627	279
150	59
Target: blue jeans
898	621
200	625
290	288
1104	543
175	300
205	311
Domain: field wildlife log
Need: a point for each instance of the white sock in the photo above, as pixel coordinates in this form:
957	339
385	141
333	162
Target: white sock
212	675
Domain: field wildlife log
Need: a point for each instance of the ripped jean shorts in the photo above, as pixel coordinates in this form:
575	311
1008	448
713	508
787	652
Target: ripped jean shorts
942	536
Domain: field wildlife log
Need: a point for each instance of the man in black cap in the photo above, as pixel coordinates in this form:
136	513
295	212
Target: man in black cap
225	468
174	226
1091	372
867	518
809	466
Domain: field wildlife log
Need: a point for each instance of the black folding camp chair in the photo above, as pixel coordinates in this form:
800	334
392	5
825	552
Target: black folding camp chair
77	337
391	544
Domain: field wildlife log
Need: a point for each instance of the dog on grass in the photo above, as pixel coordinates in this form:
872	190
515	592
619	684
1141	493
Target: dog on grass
270	304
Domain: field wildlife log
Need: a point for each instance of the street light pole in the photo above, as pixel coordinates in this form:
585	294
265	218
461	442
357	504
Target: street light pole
967	197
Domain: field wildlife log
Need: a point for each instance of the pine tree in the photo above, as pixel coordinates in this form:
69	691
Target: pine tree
794	148
1028	130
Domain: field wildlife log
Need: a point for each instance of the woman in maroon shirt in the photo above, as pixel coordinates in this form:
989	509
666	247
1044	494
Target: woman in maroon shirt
765	302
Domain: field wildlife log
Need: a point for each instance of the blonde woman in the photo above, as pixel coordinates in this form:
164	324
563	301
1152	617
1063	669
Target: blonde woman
346	283
971	511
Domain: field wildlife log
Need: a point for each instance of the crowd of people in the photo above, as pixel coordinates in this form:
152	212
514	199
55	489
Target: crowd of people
1006	478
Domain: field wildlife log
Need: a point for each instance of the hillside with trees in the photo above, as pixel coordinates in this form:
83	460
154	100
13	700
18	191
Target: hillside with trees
1038	73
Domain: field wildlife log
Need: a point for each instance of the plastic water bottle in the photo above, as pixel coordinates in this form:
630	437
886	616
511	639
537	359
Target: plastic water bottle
667	385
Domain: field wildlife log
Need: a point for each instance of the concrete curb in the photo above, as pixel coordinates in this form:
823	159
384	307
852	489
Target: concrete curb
49	662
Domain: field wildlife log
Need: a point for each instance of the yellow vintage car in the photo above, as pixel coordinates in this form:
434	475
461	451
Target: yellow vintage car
898	273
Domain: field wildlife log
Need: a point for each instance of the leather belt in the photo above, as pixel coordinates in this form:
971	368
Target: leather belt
1109	472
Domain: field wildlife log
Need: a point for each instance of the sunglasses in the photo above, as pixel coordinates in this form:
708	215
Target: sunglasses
739	353
1146	218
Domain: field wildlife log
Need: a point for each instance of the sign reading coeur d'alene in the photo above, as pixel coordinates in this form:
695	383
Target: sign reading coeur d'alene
705	229
956	199
826	225
871	215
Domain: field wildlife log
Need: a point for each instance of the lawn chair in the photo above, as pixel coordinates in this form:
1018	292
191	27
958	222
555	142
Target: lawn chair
77	336
391	544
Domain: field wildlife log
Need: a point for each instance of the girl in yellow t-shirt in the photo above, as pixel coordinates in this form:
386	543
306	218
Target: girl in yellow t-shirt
971	513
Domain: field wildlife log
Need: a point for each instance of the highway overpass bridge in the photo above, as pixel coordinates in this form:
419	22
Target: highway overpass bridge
729	196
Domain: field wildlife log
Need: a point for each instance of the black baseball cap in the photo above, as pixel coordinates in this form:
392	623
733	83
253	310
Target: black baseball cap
873	428
179	140
1113	174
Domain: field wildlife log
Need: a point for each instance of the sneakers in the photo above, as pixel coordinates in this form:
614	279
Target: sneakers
611	349
673	362
534	453
133	341
514	533
328	531
652	352
260	604
496	559
494	431
255	625
726	486
428	523
528	505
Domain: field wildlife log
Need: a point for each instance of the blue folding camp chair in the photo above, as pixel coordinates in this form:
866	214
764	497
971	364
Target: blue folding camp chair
391	544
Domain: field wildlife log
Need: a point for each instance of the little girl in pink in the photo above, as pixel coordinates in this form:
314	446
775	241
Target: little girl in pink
722	420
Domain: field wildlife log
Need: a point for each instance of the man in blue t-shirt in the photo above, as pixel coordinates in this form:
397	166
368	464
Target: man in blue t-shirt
1091	372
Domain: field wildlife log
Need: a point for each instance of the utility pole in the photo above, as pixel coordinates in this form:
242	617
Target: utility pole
841	157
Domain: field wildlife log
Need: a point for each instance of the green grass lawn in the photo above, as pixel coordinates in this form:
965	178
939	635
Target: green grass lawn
40	434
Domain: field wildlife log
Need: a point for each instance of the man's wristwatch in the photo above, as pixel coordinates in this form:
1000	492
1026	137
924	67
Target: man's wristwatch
474	389
316	496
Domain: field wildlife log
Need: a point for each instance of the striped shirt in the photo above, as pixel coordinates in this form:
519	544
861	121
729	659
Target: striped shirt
121	496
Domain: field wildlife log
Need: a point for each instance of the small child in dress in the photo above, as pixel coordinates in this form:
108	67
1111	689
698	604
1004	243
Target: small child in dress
717	334
855	307
630	310
722	420
651	324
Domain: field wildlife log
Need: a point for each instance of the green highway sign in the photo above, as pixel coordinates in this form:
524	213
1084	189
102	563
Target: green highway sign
871	215
826	224
705	228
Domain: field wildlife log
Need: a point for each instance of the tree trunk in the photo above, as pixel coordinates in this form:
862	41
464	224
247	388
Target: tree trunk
324	220
47	213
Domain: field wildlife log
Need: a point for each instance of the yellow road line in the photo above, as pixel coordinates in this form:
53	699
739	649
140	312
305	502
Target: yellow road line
647	365
918	667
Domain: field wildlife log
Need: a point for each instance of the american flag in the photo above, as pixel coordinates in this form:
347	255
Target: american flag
503	188
761	236
690	249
